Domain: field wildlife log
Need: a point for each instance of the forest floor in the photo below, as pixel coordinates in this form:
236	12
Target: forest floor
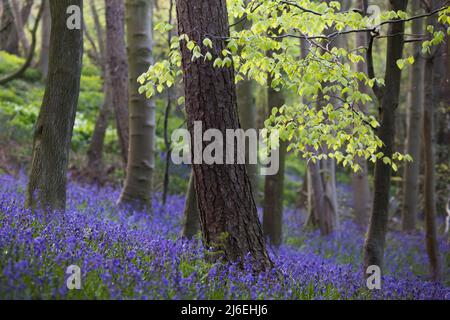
132	255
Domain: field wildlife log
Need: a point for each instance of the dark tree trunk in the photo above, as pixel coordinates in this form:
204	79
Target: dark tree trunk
116	59
141	152
273	188
376	235
228	215
432	82
53	130
9	38
191	224
413	140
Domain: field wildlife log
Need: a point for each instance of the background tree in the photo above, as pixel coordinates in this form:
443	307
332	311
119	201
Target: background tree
413	140
53	130
45	39
117	67
388	99
247	112
9	38
362	195
141	156
432	80
274	184
191	222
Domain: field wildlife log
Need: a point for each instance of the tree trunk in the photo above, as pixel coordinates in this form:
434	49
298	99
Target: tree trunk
247	115
142	135
20	22
413	140
228	215
322	196
9	38
116	59
362	195
432	82
376	235
191	223
95	152
45	39
273	188
53	130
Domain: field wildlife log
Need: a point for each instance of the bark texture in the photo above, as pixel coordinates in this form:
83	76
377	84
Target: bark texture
376	235
228	215
142	135
53	130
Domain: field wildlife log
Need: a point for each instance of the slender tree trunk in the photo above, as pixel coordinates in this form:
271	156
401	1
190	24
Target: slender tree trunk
95	152
53	130
362	195
274	184
433	75
376	235
116	59
20	22
413	140
95	167
322	193
247	114
45	39
228	215
142	134
191	223
9	38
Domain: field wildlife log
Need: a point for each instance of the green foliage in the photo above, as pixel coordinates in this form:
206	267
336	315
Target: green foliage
329	123
10	63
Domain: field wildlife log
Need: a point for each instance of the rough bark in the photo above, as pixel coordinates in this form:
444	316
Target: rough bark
117	66
432	81
53	130
413	139
362	195
45	39
142	124
191	223
376	235
274	184
228	215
